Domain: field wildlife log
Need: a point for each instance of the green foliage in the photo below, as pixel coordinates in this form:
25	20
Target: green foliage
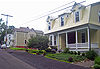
54	47
97	60
70	59
17	48
71	52
97	66
66	50
75	52
78	53
40	42
83	54
91	55
64	56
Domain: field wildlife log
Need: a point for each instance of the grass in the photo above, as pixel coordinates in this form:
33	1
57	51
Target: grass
64	57
12	48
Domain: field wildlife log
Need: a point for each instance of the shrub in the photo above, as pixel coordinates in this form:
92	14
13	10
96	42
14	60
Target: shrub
40	42
83	54
97	60
91	55
71	52
97	66
40	51
48	50
54	47
66	50
59	50
75	52
78	53
53	51
70	59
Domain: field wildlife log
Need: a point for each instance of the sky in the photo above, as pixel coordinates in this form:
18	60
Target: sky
26	13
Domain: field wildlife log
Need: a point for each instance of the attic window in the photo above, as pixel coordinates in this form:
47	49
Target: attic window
77	16
62	21
66	16
49	26
99	16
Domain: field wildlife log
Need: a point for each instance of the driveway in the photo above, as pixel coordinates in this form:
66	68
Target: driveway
41	62
7	61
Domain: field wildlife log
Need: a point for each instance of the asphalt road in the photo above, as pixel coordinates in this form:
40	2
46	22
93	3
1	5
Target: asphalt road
40	62
7	61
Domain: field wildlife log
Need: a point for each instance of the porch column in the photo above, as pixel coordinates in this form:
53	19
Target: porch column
58	42
76	40
52	40
89	44
66	40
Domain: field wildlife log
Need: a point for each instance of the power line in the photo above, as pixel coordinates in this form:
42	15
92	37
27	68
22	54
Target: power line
54	11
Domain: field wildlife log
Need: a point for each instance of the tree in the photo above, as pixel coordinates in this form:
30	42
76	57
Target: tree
40	42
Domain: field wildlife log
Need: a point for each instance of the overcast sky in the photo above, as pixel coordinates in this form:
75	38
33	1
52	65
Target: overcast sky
24	11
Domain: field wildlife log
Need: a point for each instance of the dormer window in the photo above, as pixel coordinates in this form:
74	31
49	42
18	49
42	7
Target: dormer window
62	21
77	16
49	26
99	16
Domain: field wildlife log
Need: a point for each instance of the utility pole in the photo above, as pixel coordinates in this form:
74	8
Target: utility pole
6	24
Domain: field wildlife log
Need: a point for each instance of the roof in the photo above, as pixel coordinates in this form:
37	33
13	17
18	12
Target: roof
97	3
26	29
39	32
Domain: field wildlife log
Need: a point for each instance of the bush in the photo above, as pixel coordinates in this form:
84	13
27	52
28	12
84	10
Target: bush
48	50
66	50
75	52
83	54
40	42
91	55
78	53
97	60
97	66
71	52
54	47
53	51
70	59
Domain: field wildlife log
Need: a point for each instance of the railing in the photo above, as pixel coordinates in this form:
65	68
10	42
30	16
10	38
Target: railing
81	46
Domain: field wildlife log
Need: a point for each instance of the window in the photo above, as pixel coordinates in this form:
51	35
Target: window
50	40
83	37
54	40
62	21
49	26
25	41
99	16
77	16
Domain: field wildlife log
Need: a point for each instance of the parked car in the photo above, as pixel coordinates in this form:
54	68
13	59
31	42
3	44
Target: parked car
3	46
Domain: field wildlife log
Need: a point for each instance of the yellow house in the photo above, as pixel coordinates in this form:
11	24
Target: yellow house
78	30
23	34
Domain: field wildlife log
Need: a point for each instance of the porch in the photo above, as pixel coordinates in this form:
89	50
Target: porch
77	40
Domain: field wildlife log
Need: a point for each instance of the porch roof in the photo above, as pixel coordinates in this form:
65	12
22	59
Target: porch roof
91	26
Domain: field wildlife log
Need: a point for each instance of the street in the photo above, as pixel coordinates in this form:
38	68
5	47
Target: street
7	61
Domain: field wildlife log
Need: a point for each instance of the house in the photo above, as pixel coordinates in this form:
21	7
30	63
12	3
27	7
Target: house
9	38
23	34
78	30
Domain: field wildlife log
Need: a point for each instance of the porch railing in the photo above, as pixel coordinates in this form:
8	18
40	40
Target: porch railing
81	46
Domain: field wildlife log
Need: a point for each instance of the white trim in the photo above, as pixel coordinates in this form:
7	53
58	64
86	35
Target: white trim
76	40
75	16
72	30
88	30
58	43
66	40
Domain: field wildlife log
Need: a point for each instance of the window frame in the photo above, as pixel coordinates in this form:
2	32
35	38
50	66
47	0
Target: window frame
99	16
78	16
62	21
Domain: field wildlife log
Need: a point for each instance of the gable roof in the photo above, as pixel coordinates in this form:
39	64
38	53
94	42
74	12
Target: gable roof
26	30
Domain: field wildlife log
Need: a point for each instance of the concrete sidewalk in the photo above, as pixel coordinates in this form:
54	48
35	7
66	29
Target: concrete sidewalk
7	61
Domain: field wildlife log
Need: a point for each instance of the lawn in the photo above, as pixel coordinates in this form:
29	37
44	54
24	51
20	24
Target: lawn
12	48
65	57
